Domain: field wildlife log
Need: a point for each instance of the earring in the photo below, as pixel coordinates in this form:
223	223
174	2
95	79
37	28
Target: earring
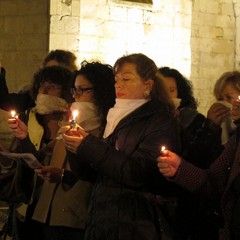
146	93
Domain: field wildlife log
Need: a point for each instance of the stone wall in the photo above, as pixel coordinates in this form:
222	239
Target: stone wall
107	29
24	41
200	38
24	28
212	46
196	37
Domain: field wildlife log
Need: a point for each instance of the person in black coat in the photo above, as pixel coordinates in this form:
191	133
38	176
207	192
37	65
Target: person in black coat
13	101
130	199
201	145
221	180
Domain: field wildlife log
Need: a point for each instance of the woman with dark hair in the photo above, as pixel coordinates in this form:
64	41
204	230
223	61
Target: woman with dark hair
180	88
199	134
124	204
100	77
201	144
60	188
36	129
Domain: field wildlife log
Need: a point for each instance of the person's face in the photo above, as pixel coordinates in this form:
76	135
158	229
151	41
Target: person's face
229	93
171	86
49	88
129	85
83	91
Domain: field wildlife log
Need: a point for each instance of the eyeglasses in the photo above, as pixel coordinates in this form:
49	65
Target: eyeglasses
80	91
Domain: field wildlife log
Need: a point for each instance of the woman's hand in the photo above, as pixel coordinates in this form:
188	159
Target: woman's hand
72	138
217	113
50	173
168	163
18	128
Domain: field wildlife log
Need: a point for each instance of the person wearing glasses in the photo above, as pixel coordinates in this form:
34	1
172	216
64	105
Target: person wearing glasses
129	195
62	202
36	129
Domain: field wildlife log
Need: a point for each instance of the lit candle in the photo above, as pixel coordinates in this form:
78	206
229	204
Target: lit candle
14	116
163	148
238	98
162	151
73	121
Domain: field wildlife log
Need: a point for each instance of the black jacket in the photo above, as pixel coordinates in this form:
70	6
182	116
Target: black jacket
121	205
13	101
3	84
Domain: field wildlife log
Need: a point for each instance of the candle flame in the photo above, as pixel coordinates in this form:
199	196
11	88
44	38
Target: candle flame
238	97
13	114
163	148
75	114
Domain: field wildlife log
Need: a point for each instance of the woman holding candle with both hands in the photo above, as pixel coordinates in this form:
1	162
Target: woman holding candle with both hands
124	202
36	129
221	180
61	203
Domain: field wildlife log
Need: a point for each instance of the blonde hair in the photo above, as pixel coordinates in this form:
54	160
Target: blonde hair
232	77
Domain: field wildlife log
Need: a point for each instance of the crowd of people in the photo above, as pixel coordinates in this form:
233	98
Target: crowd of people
125	153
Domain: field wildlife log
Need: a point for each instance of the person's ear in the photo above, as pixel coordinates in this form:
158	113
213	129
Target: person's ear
149	84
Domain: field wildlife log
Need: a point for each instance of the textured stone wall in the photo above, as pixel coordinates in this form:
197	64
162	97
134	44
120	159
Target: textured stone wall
107	29
196	37
24	41
212	46
64	25
24	34
200	38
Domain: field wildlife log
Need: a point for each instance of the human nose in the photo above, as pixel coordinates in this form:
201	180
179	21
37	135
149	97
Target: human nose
118	84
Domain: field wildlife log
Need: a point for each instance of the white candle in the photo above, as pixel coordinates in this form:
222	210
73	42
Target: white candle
163	148
73	121
13	114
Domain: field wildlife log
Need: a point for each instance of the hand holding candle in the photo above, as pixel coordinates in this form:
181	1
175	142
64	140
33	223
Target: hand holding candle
13	120
17	127
168	162
163	148
72	138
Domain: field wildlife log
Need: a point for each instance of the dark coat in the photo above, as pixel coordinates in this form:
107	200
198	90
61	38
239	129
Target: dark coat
13	101
215	182
201	145
3	84
121	205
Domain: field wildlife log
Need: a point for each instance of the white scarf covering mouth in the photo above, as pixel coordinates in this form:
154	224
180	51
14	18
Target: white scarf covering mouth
88	117
47	104
176	102
121	109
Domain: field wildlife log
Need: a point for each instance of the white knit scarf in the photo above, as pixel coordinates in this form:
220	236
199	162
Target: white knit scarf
47	104
121	109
